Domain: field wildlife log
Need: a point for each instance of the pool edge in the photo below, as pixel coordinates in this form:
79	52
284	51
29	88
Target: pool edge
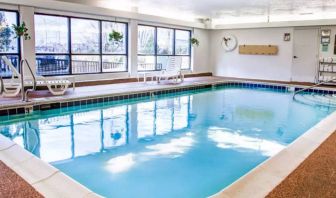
261	180
43	177
45	188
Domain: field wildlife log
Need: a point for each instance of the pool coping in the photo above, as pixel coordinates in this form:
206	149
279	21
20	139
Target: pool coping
51	182
43	177
261	180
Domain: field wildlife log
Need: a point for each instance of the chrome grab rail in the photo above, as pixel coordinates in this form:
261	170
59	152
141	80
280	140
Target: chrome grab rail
318	84
25	93
2	85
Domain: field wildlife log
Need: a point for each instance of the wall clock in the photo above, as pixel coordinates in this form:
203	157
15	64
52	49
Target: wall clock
229	42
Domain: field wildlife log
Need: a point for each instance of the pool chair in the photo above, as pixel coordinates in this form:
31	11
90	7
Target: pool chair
172	70
56	85
11	88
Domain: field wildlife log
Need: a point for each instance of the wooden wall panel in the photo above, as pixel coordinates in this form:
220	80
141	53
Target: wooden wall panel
258	49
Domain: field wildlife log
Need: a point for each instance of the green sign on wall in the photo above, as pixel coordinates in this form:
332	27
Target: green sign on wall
325	48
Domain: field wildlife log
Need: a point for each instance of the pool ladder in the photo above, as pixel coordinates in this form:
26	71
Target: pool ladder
23	91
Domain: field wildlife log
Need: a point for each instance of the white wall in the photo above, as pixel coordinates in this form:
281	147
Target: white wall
280	67
232	64
201	58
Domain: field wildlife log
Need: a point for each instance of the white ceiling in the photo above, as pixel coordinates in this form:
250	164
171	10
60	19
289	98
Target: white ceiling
225	11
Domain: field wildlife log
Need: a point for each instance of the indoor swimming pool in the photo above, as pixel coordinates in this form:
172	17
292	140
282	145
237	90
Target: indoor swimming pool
188	144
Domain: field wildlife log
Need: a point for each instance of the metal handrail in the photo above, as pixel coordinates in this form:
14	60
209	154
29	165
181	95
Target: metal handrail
2	85
25	93
318	84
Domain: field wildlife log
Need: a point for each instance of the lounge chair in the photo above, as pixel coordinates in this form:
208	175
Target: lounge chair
57	86
172	70
13	87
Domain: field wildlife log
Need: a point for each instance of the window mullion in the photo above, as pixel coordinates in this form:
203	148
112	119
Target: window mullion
18	42
101	46
156	46
70	45
174	41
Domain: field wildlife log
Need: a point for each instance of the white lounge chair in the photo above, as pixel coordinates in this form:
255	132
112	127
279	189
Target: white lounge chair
56	85
13	87
173	70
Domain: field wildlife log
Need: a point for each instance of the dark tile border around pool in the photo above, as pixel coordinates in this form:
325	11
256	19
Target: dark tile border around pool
319	91
253	85
96	100
149	93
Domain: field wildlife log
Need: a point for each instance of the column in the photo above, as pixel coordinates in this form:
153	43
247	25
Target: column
28	48
133	48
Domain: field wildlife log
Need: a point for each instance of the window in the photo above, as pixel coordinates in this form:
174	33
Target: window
9	45
182	44
157	44
165	41
114	53
68	45
52	45
85	46
146	48
146	40
183	47
85	36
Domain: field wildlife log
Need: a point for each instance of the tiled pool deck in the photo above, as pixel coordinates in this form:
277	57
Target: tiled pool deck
44	96
315	177
51	182
12	185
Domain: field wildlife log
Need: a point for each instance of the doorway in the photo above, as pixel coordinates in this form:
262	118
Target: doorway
305	55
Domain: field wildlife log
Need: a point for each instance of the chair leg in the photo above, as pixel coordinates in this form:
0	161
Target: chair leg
11	93
73	86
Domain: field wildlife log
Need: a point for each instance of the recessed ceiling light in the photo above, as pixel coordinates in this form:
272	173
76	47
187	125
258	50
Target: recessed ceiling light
306	13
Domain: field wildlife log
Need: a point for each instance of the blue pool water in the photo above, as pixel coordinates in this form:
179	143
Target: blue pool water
188	145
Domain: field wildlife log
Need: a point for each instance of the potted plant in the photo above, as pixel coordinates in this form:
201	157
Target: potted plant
21	31
194	41
115	36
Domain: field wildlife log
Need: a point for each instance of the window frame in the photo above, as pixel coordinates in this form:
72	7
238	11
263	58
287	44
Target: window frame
17	40
174	46
100	54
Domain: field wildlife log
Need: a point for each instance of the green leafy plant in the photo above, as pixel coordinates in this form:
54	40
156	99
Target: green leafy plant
21	31
194	41
115	36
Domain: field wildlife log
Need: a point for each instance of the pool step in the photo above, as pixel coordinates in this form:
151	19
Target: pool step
326	100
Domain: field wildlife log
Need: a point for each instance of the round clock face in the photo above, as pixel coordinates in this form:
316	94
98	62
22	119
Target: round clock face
229	42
